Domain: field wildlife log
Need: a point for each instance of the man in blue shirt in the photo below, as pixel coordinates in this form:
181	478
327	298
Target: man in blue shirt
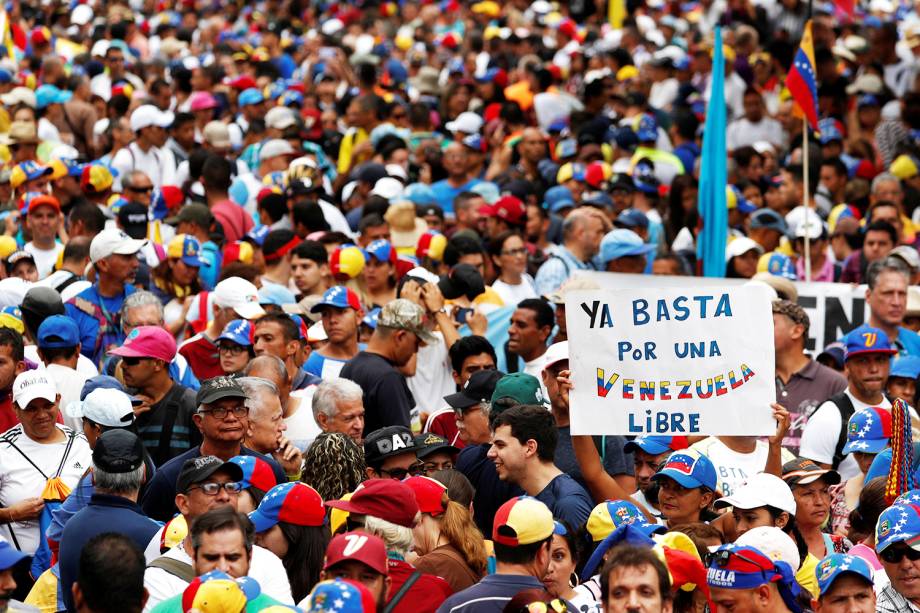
521	534
886	298
118	461
456	163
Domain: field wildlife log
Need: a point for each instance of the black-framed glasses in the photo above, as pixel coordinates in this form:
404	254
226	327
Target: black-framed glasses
232	349
401	473
140	190
518	251
211	489
133	361
893	555
239	410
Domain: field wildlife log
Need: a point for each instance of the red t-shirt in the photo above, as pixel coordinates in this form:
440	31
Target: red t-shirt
444	423
425	595
8	417
233	218
202	357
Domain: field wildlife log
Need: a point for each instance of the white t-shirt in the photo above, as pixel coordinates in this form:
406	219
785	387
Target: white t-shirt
266	568
535	368
819	438
302	428
85	365
47	131
157	163
69	384
432	379
20	479
742	132
45	259
733	468
513	294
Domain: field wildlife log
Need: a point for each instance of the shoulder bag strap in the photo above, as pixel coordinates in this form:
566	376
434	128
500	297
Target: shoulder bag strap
176	568
171	406
402	592
846	408
29	460
70	439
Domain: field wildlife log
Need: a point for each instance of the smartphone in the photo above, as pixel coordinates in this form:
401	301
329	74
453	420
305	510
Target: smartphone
462	314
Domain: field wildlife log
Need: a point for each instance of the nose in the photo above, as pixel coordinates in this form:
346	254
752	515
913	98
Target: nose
223	495
7	583
224	565
632	602
492	454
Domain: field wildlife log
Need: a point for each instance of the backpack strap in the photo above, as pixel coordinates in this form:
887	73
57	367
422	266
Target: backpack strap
846	408
402	592
176	568
171	408
70	440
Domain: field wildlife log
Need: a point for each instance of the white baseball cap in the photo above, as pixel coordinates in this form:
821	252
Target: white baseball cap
740	246
280	118
148	115
33	384
240	295
466	122
104	406
556	352
113	241
773	543
274	148
761	490
387	187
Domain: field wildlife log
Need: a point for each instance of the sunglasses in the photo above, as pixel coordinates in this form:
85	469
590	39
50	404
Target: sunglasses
401	473
140	190
893	555
722	557
133	361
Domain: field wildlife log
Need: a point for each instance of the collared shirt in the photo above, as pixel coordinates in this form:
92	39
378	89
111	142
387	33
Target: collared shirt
890	600
489	595
557	268
803	393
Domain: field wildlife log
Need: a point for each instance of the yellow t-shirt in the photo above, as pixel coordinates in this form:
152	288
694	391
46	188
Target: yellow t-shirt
806	575
353	137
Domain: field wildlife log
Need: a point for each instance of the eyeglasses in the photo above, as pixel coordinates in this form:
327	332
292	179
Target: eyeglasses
231	349
893	555
401	473
721	558
211	489
222	412
133	361
518	251
140	190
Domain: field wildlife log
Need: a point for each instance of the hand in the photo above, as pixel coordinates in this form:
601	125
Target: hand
412	292
289	456
781	416
11	224
433	299
30	508
565	386
144	406
477	322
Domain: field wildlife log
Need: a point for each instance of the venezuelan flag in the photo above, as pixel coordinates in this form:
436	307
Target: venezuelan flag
801	80
8	49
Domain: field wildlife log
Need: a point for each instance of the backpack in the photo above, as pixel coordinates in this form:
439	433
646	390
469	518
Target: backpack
846	408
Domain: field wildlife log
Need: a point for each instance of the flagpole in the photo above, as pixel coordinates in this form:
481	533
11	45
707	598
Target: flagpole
805	140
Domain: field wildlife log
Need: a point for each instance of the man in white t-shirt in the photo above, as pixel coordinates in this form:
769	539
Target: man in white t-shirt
35	450
43	219
868	355
531	325
147	152
59	347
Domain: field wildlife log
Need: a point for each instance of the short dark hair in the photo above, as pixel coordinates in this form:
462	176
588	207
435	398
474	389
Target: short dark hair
883	226
544	313
468	346
531	422
837	164
13	339
288	327
628	556
744	155
51	354
89	214
111	574
275	205
216	173
518	554
77	248
370	221
217	520
311	250
310	215
181	119
459	246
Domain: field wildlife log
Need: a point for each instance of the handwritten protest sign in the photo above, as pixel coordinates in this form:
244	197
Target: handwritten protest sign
671	361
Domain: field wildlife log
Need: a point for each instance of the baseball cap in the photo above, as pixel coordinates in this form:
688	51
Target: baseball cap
28	171
196	470
868	430
240	331
10	556
656	445
829	131
431	244
740	246
249	96
557	198
102	382
148	115
118	451
507	208
386	442
768	219
835	565
402	314
741	568
359	546
522	521
49	94
773	543
105	406
381	250
347	596
429	494
293	503
802	471
866	339
690	469
217	592
631	218
218	388
274	148
555	353
17	257
33	384
777	264
761	490
198	214
477	389
347	261
428	443
899	522
202	101
240	295
835	351
186	247
109	242
387	499
133	219
256	472
96	178
462	280
148	342
466	122
520	387
610	515
217	134
11	317
621	242
906	366
57	332
280	118
647	128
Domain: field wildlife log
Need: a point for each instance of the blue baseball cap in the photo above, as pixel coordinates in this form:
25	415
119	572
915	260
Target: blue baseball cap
294	503
906	366
829	131
909	497
621	242
656	445
256	472
881	465
867	100
690	469
58	332
566	148
339	297
868	430
769	219
897	523
257	235
250	96
291	97
777	264
631	218
10	556
382	250
644	178
557	198
866	339
186	247
274	293
49	94
475	142
370	319
419	193
647	130
836	564
835	351
597	199
338	596
240	331
742	567
611	514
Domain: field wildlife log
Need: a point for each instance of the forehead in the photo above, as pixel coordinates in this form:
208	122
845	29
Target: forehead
524	316
478	360
268	327
226	540
634	576
226	403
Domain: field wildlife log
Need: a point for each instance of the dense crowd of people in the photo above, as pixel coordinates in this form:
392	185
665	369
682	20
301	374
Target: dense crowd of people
283	304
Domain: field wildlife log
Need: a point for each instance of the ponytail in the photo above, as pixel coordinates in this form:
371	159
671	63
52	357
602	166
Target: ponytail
458	528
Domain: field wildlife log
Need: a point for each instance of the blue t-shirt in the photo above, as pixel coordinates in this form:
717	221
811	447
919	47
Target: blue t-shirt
444	193
567	500
491	492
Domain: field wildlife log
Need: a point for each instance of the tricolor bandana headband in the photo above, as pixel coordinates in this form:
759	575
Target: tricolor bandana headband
283	250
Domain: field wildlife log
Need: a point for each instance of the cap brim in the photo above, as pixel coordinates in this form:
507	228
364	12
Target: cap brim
261	522
318	307
10	556
424	452
831	476
220	394
36	391
74	409
866	445
850	354
649	447
130	247
426	337
250	310
745	503
128	352
685	480
459	400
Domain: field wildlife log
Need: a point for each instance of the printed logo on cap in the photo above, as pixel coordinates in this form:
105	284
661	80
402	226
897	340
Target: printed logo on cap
884	528
870	338
354	544
397	441
682	463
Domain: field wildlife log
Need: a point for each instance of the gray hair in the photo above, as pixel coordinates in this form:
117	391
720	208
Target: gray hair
330	393
886	264
141	298
255	387
118	484
885	177
396	538
572	222
270	360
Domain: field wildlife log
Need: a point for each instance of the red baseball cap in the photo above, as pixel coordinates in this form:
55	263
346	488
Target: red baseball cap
506	208
148	342
387	499
359	546
429	493
243	82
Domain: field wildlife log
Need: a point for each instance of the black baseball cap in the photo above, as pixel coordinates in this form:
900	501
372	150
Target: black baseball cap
38	304
132	217
462	280
429	443
218	388
478	388
118	451
386	442
196	470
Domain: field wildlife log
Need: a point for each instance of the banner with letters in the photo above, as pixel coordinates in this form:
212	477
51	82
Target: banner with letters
671	360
